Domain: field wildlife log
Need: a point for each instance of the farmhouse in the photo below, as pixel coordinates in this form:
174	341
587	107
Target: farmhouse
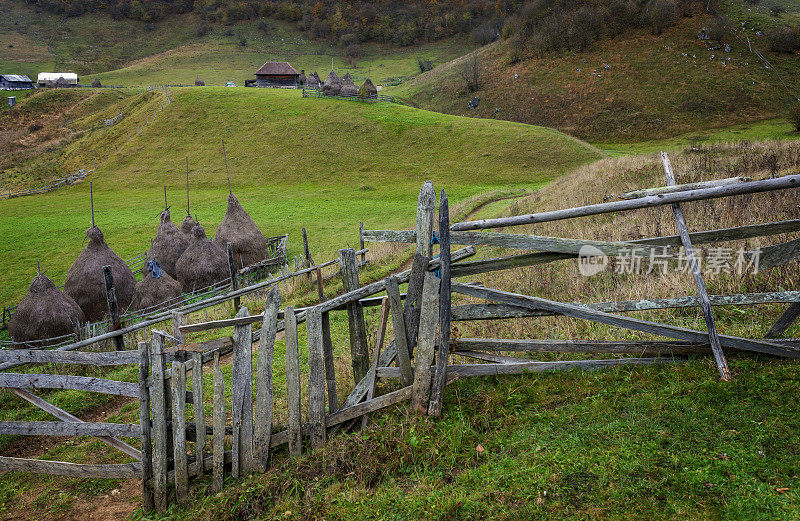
277	74
15	82
49	79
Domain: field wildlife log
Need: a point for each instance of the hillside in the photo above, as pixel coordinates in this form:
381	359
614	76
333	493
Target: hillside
294	162
634	87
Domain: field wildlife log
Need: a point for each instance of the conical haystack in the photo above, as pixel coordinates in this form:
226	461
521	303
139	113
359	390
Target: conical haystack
332	85
168	245
45	312
237	228
85	282
368	90
348	87
202	264
314	80
187	225
156	287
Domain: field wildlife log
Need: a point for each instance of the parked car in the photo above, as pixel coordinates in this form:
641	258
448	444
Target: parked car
230	84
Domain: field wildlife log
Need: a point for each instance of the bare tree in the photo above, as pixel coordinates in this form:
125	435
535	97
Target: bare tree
472	73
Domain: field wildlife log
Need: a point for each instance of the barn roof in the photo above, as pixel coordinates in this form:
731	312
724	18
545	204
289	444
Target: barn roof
15	77
277	69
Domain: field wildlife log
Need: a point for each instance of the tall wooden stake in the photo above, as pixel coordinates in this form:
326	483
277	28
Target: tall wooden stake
443	352
702	294
227	172
234	277
91	201
187	187
113	310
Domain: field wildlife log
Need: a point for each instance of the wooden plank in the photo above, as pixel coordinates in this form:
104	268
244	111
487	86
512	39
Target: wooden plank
376	404
293	383
327	346
571	310
399	328
148	500
637	347
489	357
411	311
242	398
234	276
113	310
179	432
307	261
645	192
316	378
355	314
262	421
531	367
159	431
45	356
379	338
492	311
775	255
784	321
361	241
52	428
177	323
218	439
780	183
426	206
443	351
702	294
72	470
428	322
199	411
64	381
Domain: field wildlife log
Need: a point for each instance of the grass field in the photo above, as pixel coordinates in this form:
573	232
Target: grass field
288	168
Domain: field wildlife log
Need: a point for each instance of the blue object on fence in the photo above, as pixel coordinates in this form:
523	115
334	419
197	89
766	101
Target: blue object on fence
155	268
435	240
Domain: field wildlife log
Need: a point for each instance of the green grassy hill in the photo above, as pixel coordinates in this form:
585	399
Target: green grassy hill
632	88
294	162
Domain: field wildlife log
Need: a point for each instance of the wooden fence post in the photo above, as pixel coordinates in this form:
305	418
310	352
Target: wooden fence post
419	268
111	298
262	428
148	501
234	279
442	354
316	378
218	441
307	260
702	294
426	206
199	410
159	430
361	241
327	349
242	397
179	431
399	327
355	314
177	322
293	382
379	338
429	319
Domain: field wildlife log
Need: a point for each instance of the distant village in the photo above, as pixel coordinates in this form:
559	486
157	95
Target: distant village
269	75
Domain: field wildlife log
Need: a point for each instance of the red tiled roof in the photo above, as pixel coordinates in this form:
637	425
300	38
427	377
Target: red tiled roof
277	69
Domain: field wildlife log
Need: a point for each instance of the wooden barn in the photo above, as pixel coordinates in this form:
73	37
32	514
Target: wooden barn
277	74
15	82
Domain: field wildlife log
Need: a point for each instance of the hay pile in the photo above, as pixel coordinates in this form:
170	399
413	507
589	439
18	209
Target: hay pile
314	80
85	283
368	90
45	312
96	83
239	229
187	225
202	264
169	244
155	287
348	87
332	85
199	82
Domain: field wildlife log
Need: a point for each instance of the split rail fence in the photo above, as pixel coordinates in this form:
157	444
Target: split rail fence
178	447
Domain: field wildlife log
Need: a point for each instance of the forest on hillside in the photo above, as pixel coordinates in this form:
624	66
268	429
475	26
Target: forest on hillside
564	24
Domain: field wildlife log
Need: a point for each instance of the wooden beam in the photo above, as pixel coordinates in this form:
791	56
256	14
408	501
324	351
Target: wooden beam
702	294
316	378
113	310
242	398
148	500
45	356
293	383
359	352
262	426
379	338
442	353
766	185
63	381
428	322
72	470
784	321
531	367
645	192
48	428
571	310
399	328
637	347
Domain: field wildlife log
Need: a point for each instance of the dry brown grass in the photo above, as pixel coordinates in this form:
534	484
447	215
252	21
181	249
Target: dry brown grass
605	179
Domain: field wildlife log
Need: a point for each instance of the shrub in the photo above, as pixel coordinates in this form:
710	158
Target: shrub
794	116
776	9
484	34
352	53
660	14
424	64
242	42
471	73
718	28
263	27
781	39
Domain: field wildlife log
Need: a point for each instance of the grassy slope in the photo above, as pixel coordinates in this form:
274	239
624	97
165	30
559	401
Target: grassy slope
322	164
655	87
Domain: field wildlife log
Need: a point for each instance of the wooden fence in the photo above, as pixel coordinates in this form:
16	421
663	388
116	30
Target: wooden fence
178	447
